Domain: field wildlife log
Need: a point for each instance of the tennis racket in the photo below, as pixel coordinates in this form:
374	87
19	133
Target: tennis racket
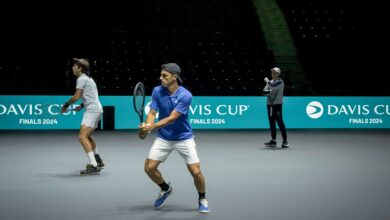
139	100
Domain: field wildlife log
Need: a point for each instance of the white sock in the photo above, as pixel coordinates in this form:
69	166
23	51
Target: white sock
95	151
92	159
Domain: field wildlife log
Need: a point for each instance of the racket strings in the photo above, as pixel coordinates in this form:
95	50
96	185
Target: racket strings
139	100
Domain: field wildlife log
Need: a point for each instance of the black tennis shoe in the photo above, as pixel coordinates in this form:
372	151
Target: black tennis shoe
89	169
271	143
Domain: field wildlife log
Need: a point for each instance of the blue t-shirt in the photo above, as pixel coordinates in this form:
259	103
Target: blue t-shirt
165	103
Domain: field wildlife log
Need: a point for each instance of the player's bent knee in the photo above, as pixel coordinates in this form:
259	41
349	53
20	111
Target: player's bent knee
149	169
196	172
82	138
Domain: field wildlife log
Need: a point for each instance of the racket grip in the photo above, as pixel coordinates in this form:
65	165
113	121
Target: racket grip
148	125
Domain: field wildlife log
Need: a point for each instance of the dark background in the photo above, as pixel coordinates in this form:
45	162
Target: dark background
218	43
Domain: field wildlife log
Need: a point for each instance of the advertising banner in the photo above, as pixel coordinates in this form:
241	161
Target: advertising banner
236	112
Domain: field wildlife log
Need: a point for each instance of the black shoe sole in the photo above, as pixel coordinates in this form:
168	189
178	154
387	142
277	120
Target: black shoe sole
89	173
86	174
92	172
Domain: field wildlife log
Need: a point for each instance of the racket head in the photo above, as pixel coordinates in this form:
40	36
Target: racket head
139	100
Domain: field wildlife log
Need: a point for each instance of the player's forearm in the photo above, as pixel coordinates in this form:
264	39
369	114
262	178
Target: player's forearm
72	100
150	118
162	123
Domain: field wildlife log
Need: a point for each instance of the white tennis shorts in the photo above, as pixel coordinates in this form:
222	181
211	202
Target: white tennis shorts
161	149
91	119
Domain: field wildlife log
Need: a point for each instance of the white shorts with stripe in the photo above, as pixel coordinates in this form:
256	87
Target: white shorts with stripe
161	149
91	119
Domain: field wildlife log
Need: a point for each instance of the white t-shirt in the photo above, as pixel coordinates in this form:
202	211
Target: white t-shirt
90	94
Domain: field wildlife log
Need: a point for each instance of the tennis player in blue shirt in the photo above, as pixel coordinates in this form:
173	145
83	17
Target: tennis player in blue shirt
172	102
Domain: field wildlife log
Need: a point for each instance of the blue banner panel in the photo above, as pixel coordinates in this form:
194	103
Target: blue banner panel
42	112
337	112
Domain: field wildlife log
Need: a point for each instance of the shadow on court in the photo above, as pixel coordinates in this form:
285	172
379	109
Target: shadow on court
147	211
75	174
